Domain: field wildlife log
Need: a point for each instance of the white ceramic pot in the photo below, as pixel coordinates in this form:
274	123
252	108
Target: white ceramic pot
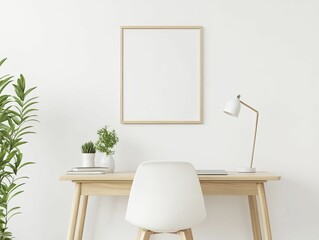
88	159
108	161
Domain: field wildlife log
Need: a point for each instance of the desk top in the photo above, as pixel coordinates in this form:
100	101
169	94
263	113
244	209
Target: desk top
128	176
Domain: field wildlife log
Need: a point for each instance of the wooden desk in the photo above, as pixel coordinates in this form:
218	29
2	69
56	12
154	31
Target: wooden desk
116	184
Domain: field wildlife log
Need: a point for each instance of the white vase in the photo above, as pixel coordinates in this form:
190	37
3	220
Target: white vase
108	161
88	159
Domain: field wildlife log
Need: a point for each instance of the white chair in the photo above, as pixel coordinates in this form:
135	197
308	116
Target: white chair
165	197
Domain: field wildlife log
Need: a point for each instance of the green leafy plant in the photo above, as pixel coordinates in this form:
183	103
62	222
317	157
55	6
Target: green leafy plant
88	147
107	140
16	115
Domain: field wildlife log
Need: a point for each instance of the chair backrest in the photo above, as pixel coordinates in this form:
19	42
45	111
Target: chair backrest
165	197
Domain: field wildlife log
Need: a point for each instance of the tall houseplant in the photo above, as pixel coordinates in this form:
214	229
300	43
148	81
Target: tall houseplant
107	140
16	115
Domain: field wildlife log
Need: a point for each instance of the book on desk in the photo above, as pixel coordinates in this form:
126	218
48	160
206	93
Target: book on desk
211	172
88	171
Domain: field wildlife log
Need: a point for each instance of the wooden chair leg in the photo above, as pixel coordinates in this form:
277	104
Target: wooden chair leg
186	234
144	234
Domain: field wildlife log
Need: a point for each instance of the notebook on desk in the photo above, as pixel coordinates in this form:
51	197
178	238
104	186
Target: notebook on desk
211	172
88	171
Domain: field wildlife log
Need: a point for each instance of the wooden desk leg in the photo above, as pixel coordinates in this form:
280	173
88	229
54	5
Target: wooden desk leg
264	210
74	213
81	217
254	217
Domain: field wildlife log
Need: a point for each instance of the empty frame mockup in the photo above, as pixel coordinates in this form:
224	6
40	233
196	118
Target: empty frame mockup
161	74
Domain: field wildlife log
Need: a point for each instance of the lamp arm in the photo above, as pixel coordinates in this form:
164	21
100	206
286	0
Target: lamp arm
255	135
252	156
245	104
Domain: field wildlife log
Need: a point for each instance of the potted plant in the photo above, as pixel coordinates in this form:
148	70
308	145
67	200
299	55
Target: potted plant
88	154
107	140
17	112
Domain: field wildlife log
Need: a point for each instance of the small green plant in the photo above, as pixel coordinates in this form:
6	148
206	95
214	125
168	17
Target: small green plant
88	147
16	115
107	140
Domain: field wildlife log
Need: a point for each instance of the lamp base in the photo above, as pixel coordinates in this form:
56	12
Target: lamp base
246	170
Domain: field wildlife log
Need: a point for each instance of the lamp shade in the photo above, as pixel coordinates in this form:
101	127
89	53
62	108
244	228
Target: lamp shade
232	107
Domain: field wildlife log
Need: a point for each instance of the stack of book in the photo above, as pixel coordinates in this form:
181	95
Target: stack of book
88	171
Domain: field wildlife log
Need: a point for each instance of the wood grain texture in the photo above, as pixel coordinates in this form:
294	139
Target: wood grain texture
144	234
74	212
250	184
255	223
186	234
228	187
112	188
123	176
264	211
81	217
122	188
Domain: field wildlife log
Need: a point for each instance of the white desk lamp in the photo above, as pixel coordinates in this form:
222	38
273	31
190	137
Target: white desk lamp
233	108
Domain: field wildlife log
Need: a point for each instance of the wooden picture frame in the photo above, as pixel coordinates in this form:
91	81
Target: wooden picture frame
161	75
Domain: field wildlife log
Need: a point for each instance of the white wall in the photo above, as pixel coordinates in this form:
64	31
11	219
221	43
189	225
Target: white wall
267	51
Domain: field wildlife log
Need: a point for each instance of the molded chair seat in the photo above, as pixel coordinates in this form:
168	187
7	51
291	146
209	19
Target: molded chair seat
165	197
